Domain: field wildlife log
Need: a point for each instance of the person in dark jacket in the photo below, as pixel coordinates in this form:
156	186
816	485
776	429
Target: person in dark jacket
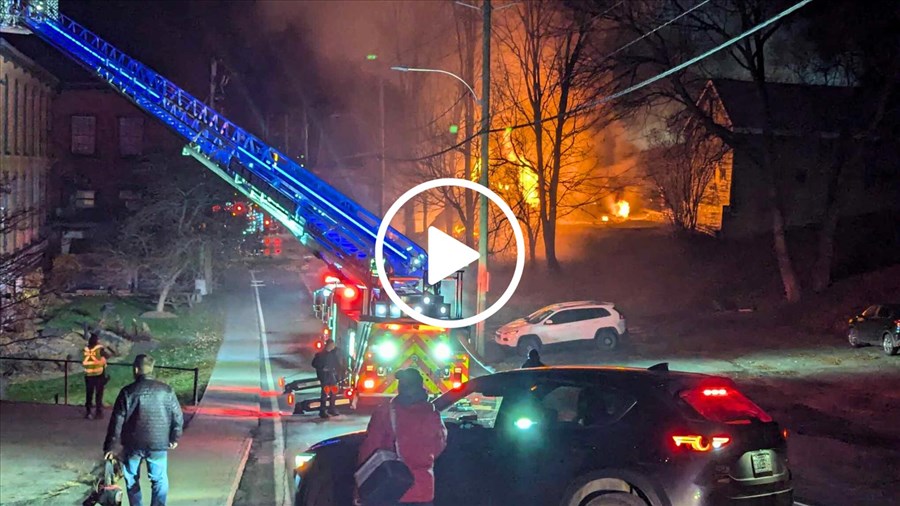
420	435
327	364
534	360
147	421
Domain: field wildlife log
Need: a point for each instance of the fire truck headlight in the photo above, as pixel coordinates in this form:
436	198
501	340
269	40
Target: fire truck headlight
381	309
442	351
426	300
395	311
387	350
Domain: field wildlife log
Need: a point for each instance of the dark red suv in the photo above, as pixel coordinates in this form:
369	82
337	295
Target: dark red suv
588	436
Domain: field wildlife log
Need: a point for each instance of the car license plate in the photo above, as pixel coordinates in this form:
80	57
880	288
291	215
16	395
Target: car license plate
762	463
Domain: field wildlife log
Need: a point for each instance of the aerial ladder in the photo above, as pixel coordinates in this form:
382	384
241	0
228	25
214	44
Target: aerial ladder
340	231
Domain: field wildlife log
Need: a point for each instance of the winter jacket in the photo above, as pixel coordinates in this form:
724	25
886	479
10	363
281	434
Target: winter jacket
327	365
421	438
146	416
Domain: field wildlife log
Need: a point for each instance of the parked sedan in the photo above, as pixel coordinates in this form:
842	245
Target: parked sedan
587	436
878	324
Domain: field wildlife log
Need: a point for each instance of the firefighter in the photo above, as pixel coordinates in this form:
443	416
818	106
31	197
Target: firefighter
95	376
534	360
327	364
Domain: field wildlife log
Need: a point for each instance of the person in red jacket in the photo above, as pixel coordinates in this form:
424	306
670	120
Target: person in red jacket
421	435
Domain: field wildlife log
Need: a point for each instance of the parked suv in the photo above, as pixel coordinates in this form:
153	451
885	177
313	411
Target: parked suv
586	436
878	324
563	322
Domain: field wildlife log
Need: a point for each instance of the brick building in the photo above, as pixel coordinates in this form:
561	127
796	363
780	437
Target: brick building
99	138
26	157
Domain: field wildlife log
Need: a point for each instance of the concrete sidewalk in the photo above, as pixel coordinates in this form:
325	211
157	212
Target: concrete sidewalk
47	451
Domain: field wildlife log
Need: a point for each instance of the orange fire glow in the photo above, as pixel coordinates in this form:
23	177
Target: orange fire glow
527	178
622	209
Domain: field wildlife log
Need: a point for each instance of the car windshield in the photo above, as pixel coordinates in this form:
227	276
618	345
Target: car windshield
538	315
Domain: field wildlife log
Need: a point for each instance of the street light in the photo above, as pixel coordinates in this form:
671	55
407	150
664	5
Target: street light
482	282
440	71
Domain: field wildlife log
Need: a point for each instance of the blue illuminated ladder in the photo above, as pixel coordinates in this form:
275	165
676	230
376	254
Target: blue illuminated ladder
318	214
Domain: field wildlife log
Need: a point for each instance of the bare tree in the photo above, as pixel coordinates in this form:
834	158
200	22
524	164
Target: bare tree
164	237
682	164
541	82
690	30
21	287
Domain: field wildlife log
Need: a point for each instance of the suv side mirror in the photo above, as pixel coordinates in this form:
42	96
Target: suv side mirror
548	322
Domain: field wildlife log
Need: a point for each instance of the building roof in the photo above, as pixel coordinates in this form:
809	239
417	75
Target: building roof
19	58
796	108
64	70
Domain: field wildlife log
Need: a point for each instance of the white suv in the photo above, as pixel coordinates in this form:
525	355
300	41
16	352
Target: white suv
563	322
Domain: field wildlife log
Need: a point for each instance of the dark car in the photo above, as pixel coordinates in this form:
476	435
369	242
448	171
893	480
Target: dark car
878	324
587	436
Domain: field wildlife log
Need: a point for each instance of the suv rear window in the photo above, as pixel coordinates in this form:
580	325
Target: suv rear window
723	404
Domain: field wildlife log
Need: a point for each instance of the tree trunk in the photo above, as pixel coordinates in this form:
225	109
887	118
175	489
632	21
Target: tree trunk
164	294
207	263
785	265
549	229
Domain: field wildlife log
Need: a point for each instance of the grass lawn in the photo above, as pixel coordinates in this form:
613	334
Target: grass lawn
190	340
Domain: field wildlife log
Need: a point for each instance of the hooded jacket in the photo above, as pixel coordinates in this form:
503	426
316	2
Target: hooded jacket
421	437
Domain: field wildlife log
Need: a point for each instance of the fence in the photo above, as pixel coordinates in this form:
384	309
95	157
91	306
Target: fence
66	363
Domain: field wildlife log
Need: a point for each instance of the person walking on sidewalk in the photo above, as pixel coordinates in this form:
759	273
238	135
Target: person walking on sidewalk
95	375
327	363
420	435
147	421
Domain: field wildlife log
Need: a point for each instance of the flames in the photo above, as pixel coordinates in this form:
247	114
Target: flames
528	181
622	209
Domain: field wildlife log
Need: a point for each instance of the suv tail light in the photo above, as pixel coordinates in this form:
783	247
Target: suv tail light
723	404
699	443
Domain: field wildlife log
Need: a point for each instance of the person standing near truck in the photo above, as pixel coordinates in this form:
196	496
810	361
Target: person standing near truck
327	364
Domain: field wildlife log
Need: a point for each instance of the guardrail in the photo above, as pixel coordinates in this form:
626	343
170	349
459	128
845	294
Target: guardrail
66	363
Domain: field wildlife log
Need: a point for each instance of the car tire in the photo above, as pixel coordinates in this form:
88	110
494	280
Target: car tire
616	499
606	339
528	343
853	338
888	344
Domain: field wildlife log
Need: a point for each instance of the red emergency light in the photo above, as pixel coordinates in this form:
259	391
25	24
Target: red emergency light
350	292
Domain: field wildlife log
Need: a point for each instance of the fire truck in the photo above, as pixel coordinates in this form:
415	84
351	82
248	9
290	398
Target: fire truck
372	334
376	339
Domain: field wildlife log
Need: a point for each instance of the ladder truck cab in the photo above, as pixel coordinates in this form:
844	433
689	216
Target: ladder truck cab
376	340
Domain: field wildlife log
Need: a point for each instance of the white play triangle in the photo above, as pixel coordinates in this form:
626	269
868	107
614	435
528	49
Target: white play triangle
446	255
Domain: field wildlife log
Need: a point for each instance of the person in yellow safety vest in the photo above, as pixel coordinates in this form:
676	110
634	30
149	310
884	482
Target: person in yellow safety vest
95	376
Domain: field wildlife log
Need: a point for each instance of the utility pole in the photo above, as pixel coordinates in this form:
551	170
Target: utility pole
469	76
483	279
383	155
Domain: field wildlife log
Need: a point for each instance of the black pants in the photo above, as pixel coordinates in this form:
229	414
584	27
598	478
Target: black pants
329	392
93	391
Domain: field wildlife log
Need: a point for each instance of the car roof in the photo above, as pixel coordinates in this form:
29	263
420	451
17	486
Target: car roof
658	375
578	303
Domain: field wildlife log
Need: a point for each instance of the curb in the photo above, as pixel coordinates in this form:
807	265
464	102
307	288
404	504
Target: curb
245	454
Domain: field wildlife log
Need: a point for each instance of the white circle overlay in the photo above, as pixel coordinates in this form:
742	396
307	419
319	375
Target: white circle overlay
386	282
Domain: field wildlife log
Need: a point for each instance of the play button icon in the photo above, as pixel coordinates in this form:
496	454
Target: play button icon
446	255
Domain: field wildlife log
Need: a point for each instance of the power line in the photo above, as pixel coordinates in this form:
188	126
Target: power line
635	87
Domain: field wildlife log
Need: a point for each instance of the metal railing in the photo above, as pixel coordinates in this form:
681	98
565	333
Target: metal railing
66	362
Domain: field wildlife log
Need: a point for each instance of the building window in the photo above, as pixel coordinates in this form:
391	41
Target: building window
84	135
85	199
131	136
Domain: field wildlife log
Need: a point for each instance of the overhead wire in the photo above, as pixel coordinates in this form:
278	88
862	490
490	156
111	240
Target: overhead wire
662	75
